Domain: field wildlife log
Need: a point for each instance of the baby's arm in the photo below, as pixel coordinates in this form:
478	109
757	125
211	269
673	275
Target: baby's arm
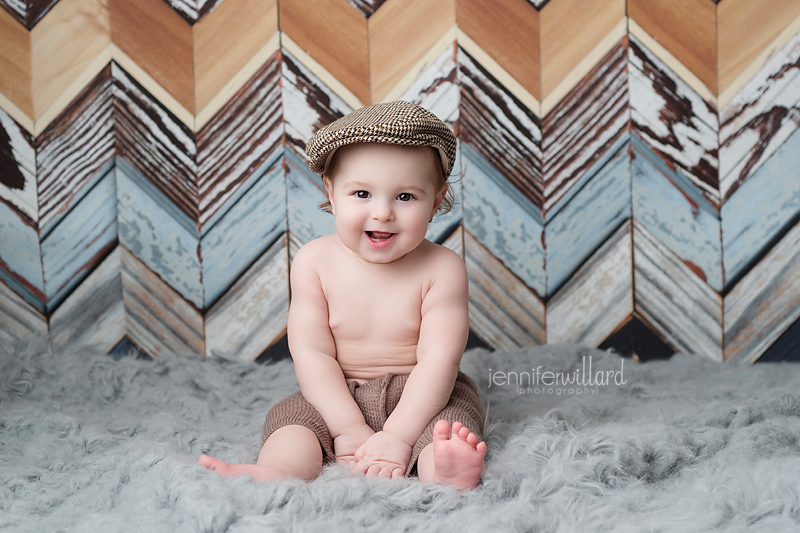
314	353
442	338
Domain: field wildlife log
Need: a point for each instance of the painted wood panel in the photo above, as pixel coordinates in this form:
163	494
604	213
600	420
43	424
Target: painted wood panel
400	34
436	89
674	120
304	193
590	217
679	305
508	30
765	302
253	313
158	234
193	10
499	127
503	312
238	140
75	150
15	64
598	298
157	319
686	28
20	255
19	318
503	221
585	125
27	12
335	35
366	7
225	40
760	210
671	208
94	314
154	142
159	41
80	241
18	167
245	231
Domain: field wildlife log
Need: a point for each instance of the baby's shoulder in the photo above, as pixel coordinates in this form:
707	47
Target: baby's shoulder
441	260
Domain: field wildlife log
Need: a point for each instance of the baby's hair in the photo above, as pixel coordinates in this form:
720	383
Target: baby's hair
447	202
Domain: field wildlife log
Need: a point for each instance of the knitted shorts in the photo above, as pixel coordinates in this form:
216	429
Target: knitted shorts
377	398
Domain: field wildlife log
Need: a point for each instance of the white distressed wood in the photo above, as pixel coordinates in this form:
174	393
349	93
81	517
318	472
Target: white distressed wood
19	319
598	297
22	150
683	309
253	313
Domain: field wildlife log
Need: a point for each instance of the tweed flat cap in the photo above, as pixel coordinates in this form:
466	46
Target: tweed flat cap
397	122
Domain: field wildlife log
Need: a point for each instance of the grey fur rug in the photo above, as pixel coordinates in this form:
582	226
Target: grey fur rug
92	444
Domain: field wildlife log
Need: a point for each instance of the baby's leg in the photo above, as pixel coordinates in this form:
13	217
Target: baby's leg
455	460
290	452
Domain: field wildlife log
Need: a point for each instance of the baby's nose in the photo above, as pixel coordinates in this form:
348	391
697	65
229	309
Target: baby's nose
382	211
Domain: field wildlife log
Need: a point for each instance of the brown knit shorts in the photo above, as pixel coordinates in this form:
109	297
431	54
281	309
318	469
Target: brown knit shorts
377	399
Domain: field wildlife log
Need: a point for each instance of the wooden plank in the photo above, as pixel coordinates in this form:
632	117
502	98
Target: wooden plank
155	143
28	12
760	118
158	234
760	209
683	309
253	313
18	167
335	35
63	45
238	140
498	126
157	319
765	302
19	318
72	152
504	221
686	28
244	232
193	10
159	41
94	314
455	241
436	88
589	218
585	125
507	30
673	210
400	34
505	313
761	21
80	241
366	7
15	63
598	298
569	30
20	254
225	40
674	120
304	193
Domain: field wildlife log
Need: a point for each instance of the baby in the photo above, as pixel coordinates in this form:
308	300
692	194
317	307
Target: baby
378	316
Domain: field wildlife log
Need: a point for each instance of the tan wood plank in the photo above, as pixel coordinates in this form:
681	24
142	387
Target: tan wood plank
226	39
569	30
159	41
333	34
760	21
686	28
15	63
507	30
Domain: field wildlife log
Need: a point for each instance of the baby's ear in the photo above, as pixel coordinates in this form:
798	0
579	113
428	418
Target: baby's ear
329	189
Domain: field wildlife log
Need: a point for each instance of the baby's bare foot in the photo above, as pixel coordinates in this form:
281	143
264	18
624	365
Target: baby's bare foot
259	473
457	460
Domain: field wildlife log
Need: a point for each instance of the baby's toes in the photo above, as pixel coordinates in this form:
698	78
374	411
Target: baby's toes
472	439
441	430
482	448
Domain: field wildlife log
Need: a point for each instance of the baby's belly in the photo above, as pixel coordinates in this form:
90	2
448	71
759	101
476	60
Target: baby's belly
365	364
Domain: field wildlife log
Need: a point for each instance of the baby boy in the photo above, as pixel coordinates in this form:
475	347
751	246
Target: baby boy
378	316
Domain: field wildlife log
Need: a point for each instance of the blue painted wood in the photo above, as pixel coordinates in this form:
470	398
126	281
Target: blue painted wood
304	193
80	241
591	216
20	259
760	209
442	225
503	220
244	232
435	88
676	213
158	233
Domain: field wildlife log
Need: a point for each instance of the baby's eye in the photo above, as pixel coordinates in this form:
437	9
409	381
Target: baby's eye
405	197
362	194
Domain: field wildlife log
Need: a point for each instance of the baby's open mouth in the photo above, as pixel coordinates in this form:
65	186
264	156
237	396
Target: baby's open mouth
379	235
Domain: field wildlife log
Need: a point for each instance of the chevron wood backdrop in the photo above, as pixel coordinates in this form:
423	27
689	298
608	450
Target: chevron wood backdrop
631	168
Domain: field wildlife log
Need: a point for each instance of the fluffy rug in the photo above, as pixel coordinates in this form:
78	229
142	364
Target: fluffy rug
88	443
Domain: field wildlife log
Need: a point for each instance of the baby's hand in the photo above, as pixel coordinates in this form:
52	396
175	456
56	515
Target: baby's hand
346	444
383	455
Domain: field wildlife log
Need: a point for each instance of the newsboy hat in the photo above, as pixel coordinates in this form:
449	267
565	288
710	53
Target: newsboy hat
396	122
